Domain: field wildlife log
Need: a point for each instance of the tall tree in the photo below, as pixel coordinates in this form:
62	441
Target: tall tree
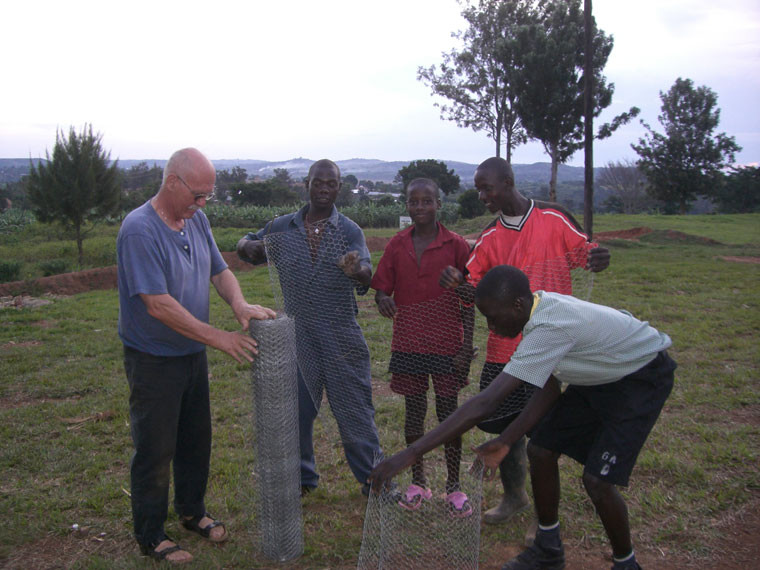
447	180
550	85
478	80
76	187
686	161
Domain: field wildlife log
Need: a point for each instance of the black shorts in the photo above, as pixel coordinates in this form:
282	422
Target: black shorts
604	427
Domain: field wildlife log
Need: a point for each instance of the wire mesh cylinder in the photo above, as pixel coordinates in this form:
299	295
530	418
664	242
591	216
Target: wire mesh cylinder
277	459
432	536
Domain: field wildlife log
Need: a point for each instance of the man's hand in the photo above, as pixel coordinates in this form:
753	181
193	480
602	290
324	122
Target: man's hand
252	251
386	305
350	264
490	455
450	278
244	312
238	345
387	469
598	259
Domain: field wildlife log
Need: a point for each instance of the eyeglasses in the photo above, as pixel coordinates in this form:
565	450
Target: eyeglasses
197	195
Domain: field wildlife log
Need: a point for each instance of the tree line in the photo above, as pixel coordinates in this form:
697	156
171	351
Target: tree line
519	76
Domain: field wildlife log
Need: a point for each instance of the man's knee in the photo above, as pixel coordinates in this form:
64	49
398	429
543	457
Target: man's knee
538	454
596	488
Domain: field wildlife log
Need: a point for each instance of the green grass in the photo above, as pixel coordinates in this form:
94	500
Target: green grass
61	364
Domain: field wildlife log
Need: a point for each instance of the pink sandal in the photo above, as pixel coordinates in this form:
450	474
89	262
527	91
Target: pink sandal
459	505
413	497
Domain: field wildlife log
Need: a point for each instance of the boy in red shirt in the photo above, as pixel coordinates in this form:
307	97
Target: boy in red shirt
432	334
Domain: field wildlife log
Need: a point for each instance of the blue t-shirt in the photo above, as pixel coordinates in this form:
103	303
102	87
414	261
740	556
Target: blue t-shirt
153	259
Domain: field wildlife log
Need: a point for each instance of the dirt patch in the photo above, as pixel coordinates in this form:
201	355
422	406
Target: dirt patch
62	551
664	236
377	243
633	233
736	259
83	281
65	283
12	344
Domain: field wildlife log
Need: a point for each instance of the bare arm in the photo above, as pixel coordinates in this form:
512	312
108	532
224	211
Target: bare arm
492	452
167	309
466	353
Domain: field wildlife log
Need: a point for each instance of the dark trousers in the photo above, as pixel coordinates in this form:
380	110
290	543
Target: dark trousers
170	419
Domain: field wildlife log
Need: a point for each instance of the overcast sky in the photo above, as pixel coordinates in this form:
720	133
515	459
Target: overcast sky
276	80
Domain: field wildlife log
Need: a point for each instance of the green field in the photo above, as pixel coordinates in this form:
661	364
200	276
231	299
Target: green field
66	444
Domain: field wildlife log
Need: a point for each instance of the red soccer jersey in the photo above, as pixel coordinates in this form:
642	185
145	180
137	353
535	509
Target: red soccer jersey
428	318
545	243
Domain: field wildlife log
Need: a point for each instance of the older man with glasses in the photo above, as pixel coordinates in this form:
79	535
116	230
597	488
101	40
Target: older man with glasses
166	257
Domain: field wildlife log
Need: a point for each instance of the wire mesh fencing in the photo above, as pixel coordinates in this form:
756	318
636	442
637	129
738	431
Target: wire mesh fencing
431	535
275	417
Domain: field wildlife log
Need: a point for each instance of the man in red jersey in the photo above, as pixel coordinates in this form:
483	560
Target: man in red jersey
531	236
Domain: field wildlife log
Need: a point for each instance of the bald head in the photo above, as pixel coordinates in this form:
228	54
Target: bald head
187	163
498	167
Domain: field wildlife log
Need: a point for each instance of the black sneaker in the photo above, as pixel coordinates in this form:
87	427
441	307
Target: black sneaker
546	553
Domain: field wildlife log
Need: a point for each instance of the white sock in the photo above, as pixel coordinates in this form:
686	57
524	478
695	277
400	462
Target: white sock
549	528
625	558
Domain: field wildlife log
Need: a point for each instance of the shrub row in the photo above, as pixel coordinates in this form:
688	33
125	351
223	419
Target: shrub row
367	215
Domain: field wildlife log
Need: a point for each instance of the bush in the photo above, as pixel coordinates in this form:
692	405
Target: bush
53	267
14	220
251	217
470	205
9	271
367	214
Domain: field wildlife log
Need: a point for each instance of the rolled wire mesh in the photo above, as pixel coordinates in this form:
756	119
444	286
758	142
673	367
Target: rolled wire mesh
276	467
430	536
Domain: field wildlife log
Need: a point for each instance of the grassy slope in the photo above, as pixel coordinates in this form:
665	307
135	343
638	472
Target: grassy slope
62	362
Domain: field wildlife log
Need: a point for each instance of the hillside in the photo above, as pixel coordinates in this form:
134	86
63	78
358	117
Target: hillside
12	169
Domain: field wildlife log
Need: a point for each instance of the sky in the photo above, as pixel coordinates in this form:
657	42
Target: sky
257	79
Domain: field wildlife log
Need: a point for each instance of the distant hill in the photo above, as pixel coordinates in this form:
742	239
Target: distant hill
12	169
